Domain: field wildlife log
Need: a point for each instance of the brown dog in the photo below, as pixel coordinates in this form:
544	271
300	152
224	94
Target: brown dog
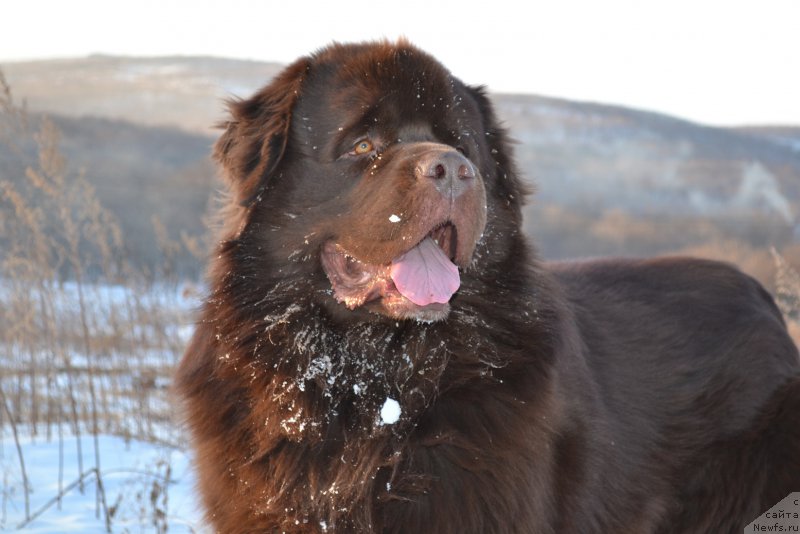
381	351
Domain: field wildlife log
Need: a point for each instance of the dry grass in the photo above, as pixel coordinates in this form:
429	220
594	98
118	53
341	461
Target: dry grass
87	343
787	293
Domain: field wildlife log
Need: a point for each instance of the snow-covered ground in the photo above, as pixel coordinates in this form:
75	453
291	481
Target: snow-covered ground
142	481
137	336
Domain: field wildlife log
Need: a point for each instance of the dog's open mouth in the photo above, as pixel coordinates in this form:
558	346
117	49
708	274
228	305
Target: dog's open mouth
418	283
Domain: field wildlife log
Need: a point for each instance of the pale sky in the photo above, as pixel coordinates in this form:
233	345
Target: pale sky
725	62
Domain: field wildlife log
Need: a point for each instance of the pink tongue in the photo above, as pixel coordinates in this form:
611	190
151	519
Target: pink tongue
425	275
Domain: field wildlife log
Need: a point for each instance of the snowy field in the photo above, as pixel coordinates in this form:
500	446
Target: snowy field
148	487
73	405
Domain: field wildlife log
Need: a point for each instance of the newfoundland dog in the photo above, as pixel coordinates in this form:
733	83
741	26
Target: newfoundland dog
381	351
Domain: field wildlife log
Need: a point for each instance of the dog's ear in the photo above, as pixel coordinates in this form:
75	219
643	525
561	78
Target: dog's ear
510	186
256	135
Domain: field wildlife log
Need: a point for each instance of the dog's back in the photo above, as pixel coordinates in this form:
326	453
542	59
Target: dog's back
699	389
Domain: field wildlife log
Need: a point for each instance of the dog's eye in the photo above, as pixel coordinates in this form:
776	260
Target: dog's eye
364	146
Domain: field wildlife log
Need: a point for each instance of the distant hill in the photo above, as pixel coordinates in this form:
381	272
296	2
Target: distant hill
142	127
603	169
594	156
182	92
139	173
785	135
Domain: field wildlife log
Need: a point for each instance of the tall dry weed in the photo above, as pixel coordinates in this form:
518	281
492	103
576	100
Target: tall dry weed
87	342
787	293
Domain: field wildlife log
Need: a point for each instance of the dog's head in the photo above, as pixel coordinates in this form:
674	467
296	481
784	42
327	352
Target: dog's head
371	173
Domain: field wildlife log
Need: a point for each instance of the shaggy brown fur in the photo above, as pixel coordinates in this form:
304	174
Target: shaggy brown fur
646	396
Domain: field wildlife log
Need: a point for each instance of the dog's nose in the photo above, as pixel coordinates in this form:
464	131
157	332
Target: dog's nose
450	172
